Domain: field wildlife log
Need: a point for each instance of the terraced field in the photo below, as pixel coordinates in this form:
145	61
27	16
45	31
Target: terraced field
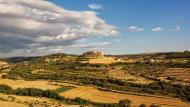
95	95
124	75
4	66
180	74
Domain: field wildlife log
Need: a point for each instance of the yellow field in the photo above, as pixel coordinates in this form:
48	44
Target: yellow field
11	104
4	66
28	84
24	101
102	60
89	93
3	63
95	95
124	75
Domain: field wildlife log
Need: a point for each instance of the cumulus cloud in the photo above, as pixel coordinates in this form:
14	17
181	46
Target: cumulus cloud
135	29
177	28
32	24
95	6
157	29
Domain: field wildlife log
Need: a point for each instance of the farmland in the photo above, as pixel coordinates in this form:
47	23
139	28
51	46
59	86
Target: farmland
177	74
28	84
72	91
93	94
25	101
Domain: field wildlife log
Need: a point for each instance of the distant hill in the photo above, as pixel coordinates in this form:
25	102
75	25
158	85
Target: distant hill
51	56
63	56
19	59
185	54
59	57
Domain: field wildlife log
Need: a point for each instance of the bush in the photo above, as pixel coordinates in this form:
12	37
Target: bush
81	101
5	88
125	103
142	105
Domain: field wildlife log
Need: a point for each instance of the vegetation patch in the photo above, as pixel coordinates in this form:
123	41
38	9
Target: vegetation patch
63	89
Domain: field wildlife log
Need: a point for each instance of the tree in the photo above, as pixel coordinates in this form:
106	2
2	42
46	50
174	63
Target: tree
5	88
125	103
142	105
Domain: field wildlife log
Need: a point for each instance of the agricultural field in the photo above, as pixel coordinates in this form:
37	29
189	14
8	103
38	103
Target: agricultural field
28	84
177	74
95	95
4	66
25	101
11	104
124	75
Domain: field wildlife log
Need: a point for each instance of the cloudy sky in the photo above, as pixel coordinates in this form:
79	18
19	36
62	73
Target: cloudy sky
38	27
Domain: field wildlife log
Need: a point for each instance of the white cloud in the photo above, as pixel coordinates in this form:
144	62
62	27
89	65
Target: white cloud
95	6
31	24
157	29
135	29
177	28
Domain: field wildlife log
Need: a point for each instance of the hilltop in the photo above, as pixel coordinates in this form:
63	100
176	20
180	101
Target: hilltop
95	58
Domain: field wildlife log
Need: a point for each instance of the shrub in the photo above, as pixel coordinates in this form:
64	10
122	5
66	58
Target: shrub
5	88
81	101
142	105
125	103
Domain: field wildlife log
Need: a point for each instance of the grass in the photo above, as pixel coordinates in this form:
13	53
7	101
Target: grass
63	89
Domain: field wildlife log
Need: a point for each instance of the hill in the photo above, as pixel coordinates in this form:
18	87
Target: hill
95	58
19	59
185	54
149	75
5	66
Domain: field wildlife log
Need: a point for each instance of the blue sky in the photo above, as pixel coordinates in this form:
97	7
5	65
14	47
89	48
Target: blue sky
40	27
146	14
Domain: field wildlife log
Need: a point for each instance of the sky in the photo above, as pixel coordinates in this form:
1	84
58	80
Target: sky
38	27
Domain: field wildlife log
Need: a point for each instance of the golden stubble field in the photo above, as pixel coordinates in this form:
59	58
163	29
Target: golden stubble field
95	95
90	93
28	84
